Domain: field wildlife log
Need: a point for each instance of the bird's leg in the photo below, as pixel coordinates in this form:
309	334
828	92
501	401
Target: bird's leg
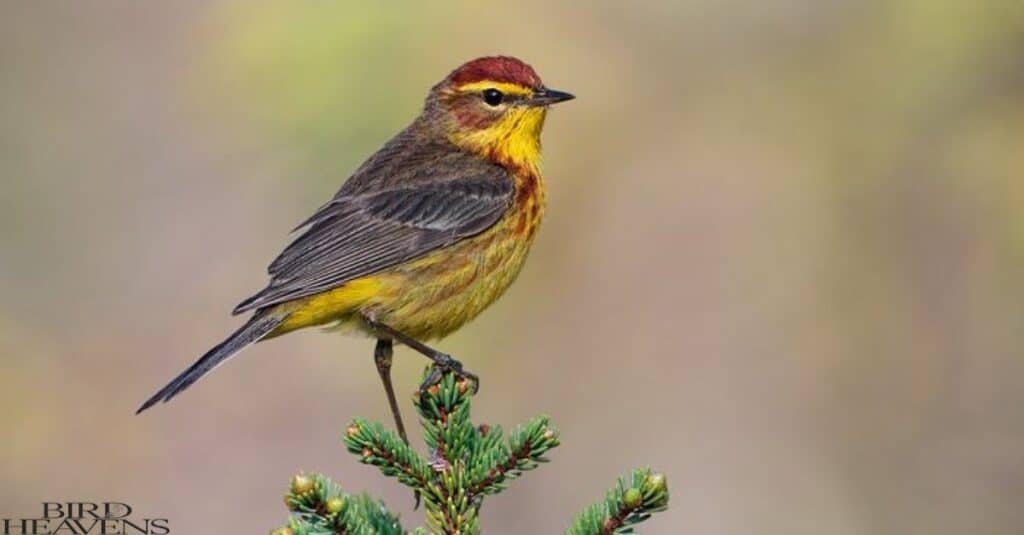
442	361
382	358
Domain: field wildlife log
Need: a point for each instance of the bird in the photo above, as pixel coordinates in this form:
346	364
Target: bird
422	237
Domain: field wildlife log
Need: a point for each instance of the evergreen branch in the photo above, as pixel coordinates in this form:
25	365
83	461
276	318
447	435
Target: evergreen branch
626	504
377	446
450	511
444	413
319	507
466	464
525	450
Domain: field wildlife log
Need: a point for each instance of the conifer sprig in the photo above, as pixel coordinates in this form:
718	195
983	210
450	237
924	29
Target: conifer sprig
465	464
630	502
382	448
319	507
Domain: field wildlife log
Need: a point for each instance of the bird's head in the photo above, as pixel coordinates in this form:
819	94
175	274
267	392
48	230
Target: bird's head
494	106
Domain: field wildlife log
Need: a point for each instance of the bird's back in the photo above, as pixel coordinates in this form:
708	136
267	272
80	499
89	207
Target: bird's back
411	198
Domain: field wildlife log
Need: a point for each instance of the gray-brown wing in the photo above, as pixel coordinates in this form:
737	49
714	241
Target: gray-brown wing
358	234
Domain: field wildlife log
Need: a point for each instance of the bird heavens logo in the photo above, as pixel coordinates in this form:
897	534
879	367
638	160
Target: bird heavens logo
85	518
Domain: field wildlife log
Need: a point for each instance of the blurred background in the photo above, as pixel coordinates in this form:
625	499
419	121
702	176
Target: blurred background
781	262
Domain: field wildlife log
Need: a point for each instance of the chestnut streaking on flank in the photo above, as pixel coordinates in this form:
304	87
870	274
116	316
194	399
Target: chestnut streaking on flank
423	236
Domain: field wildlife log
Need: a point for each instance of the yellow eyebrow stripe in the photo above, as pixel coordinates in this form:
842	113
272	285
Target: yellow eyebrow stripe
504	87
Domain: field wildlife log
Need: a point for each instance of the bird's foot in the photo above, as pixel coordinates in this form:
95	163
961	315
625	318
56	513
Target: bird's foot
445	363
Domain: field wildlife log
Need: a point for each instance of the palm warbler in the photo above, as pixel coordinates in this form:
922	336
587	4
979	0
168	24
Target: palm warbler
423	236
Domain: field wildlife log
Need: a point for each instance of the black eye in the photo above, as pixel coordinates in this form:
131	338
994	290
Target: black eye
493	97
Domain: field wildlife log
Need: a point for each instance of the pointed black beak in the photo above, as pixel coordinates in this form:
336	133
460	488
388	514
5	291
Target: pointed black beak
547	97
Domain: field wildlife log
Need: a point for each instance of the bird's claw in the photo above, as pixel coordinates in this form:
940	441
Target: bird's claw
445	363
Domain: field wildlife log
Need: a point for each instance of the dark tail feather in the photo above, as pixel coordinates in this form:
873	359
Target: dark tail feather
258	326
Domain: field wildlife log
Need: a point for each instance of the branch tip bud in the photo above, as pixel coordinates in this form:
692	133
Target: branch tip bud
334	505
632	498
655	482
302	484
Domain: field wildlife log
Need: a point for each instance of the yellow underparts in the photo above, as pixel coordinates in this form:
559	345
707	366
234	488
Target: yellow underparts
427	298
326	307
